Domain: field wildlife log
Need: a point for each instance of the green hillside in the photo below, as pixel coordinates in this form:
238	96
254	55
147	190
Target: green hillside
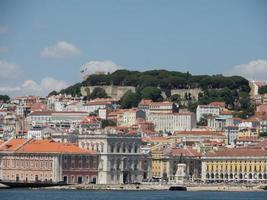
234	90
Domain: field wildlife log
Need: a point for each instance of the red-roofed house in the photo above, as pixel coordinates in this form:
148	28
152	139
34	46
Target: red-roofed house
46	161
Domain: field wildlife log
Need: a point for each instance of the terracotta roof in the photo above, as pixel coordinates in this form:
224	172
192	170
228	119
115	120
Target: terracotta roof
145	102
188	151
50	146
262	108
217	103
262	143
12	145
154	139
164	103
239	152
209	106
41	113
213	143
98	103
211	133
247	139
90	119
103	99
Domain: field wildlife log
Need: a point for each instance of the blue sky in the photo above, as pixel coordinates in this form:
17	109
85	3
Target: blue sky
43	44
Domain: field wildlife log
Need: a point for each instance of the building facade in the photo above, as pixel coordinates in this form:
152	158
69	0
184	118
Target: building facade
239	164
171	122
120	157
32	160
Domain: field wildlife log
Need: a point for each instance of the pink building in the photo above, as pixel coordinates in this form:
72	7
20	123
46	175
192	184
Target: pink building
46	161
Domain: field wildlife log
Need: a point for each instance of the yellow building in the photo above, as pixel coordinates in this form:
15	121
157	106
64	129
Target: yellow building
248	132
165	160
159	161
237	164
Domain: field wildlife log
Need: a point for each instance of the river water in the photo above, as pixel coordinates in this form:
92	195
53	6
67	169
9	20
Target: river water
24	194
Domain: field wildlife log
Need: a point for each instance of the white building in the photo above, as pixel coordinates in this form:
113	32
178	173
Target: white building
207	110
171	122
231	132
120	156
39	132
129	117
55	117
163	107
92	107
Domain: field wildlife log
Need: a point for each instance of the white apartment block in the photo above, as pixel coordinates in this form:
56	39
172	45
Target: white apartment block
53	117
95	106
171	122
162	107
129	117
207	110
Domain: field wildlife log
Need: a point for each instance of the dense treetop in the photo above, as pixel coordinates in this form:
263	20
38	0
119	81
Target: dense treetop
167	80
263	89
163	79
4	98
233	90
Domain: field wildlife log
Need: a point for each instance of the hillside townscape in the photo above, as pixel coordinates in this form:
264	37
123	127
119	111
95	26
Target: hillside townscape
129	127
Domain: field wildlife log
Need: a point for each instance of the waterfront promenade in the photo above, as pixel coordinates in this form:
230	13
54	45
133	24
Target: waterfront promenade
158	187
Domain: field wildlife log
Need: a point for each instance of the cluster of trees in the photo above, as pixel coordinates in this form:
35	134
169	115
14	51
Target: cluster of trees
233	90
4	98
163	79
263	90
74	90
131	99
166	80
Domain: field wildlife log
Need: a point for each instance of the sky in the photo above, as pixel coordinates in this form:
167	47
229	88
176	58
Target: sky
45	44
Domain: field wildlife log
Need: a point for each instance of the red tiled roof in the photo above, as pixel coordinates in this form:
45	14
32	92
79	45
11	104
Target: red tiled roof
145	102
50	146
185	152
239	152
164	103
154	139
12	145
90	119
211	133
98	103
217	103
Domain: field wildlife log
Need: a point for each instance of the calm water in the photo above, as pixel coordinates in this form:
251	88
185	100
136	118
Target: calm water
112	195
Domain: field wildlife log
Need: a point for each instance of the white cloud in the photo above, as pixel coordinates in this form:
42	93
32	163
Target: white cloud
30	87
48	84
9	70
93	67
3	29
254	70
61	49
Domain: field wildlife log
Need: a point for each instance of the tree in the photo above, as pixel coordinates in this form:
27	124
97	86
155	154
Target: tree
263	134
4	98
263	89
152	93
53	93
130	99
107	122
203	120
192	106
98	92
176	98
